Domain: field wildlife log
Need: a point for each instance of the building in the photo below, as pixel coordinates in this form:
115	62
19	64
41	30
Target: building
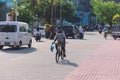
5	7
117	0
83	13
2	11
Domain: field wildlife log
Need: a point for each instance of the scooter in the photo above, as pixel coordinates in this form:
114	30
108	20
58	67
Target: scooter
80	36
38	37
100	31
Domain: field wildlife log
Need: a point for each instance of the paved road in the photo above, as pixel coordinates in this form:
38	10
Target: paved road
38	62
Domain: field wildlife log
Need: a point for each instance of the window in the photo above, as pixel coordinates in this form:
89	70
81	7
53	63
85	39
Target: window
22	29
8	28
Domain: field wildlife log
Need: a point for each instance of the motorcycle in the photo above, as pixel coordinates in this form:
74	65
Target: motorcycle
38	37
100	30
80	36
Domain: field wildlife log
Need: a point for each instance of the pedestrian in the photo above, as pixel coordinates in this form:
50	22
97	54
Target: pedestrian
81	32
52	32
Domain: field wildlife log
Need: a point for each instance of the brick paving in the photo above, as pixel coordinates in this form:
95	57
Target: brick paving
103	64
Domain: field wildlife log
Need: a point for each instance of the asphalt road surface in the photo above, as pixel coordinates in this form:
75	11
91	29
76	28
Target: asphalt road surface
38	62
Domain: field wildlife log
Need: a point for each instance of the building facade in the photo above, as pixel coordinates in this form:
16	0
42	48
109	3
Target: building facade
5	7
83	13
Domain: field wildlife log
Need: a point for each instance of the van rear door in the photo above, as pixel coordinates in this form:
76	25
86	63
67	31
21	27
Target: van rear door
7	33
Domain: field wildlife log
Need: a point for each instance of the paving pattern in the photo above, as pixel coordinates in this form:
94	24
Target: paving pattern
104	64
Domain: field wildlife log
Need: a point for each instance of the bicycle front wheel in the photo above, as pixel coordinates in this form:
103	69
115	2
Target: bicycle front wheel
62	55
57	57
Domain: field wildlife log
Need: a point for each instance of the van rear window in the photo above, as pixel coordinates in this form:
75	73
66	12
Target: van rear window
8	28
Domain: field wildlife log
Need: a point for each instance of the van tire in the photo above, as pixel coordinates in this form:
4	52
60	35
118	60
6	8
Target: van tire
30	44
1	47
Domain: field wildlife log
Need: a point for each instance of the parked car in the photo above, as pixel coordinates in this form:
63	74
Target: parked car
116	32
116	35
69	31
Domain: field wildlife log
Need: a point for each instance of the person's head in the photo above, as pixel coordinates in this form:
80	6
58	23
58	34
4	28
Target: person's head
37	28
59	28
60	31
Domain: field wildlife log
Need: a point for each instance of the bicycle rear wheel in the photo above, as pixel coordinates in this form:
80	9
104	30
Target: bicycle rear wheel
62	55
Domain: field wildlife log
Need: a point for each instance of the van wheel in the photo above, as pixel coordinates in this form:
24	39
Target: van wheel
13	47
73	37
19	46
30	44
1	47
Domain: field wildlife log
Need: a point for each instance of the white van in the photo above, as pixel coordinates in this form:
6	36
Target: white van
14	34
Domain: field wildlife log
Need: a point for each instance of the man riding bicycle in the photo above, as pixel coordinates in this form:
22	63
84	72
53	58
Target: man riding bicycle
60	38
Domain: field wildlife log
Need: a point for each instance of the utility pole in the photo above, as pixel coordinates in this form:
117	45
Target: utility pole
60	12
16	11
52	12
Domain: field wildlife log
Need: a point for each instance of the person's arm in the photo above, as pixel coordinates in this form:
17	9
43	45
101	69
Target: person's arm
55	39
64	35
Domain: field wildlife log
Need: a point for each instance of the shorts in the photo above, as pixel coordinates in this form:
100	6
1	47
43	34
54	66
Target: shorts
61	43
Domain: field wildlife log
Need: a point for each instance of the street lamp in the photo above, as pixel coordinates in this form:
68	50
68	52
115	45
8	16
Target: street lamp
36	20
97	16
16	5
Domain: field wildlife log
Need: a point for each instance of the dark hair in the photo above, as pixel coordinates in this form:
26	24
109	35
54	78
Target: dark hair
37	28
59	27
60	31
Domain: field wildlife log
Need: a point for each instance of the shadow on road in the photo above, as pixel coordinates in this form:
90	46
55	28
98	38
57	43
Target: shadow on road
68	63
90	33
23	50
40	41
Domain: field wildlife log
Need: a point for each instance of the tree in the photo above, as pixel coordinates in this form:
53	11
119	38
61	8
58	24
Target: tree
25	14
105	10
43	9
69	11
116	18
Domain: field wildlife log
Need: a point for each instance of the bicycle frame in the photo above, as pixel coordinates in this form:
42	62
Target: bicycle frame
59	53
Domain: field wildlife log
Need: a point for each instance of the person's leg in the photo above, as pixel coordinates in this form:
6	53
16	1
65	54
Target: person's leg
56	46
63	48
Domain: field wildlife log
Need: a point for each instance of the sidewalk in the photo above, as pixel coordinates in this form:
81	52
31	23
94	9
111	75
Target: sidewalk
104	64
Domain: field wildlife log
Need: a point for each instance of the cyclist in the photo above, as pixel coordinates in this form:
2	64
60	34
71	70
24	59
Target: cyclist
60	38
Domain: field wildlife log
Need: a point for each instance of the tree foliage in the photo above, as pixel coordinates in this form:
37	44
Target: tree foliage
105	9
25	14
43	9
116	19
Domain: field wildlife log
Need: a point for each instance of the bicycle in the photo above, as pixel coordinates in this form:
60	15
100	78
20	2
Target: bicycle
59	53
